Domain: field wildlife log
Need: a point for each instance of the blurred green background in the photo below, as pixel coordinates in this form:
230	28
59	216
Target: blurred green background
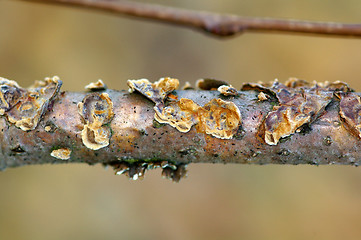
215	201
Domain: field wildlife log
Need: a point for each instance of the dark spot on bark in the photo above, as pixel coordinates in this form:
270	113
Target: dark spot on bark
327	141
185	152
283	152
305	129
18	150
156	124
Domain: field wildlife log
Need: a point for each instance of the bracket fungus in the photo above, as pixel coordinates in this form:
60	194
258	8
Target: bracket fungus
299	104
97	86
25	107
350	112
227	90
96	111
187	86
210	84
158	91
61	153
218	118
181	115
10	94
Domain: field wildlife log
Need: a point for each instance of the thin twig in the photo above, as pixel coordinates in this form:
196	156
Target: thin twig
221	25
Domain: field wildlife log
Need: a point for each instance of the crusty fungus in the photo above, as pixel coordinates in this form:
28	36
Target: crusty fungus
299	104
218	118
181	115
227	90
61	153
262	96
210	84
10	94
158	91
96	111
96	86
350	112
25	107
187	86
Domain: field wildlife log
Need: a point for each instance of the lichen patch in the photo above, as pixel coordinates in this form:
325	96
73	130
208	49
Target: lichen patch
25	107
96	86
61	153
96	110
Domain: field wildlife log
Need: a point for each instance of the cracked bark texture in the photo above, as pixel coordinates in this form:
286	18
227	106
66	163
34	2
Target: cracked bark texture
136	137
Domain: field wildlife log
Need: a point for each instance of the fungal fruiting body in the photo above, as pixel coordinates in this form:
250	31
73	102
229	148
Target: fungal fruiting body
97	86
96	111
181	115
262	96
10	94
299	104
350	112
227	90
25	107
210	84
158	91
61	153
218	118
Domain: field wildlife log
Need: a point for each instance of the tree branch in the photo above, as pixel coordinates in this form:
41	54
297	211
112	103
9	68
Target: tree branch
282	124
216	24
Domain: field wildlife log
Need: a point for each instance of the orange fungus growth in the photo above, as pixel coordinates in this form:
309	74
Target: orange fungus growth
350	112
218	118
299	104
62	153
10	94
96	111
158	91
181	115
97	86
227	90
25	107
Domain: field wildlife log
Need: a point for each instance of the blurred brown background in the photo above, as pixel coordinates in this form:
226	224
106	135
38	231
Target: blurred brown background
215	201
